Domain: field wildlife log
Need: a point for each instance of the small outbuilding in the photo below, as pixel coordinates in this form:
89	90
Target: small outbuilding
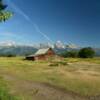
42	54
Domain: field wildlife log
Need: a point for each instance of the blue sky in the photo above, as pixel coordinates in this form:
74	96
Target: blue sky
36	21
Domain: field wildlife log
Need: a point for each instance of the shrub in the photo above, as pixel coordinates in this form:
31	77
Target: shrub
58	63
86	53
72	54
54	64
11	55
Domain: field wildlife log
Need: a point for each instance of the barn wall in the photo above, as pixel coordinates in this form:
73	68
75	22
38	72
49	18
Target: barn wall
40	57
50	52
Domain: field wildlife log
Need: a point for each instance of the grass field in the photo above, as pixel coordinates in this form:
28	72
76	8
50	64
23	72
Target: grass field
80	76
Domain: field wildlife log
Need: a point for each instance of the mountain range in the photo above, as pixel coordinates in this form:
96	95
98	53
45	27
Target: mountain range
11	48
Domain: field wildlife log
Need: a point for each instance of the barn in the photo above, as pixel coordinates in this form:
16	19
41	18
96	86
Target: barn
42	54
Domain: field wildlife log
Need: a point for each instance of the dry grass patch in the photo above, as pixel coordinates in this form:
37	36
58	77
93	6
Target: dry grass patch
81	76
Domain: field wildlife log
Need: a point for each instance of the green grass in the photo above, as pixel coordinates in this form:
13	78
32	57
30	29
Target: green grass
4	93
81	76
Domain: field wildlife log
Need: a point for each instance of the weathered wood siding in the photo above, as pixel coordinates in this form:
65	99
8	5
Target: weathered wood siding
47	55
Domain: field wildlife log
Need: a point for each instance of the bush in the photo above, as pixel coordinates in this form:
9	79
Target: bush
58	63
11	55
86	53
72	54
54	64
7	55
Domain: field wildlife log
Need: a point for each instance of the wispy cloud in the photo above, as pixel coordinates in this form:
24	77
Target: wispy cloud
39	31
18	10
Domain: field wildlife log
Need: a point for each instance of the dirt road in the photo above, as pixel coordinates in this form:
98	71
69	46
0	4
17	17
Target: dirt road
39	91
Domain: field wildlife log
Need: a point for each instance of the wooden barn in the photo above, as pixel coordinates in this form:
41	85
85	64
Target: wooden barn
42	54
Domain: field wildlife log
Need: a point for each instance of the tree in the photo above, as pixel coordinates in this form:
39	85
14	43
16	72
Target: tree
4	15
86	53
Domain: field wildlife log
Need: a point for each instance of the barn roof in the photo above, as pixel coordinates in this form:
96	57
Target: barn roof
41	51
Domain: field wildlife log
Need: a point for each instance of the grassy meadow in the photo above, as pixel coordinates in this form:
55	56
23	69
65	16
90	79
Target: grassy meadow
80	76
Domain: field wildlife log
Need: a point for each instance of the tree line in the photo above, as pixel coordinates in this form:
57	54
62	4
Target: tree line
86	52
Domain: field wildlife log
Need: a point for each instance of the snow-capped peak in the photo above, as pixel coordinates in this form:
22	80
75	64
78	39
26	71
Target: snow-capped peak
7	43
59	44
